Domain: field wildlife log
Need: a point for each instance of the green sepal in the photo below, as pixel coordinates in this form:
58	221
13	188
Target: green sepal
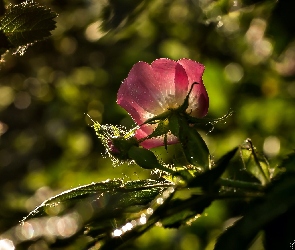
185	104
174	124
158	118
161	129
122	146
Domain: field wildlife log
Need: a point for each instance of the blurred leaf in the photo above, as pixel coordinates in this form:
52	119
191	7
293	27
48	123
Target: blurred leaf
279	198
255	163
288	164
171	214
118	12
178	212
4	42
27	23
225	7
281	24
279	233
2	7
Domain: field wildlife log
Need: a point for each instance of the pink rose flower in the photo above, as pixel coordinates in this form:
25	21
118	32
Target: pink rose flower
152	89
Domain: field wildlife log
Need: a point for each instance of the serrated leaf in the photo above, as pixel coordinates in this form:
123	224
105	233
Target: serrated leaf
131	193
254	162
27	23
279	198
171	213
208	178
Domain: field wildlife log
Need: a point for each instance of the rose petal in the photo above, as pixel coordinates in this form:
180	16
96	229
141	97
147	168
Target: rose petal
138	114
199	100
141	87
164	70
181	85
146	130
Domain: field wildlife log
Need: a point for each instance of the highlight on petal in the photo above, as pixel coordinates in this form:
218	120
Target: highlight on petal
164	70
199	100
146	130
152	89
140	87
181	84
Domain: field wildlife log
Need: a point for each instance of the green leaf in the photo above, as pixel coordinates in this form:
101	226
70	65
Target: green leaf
108	204
162	129
279	198
288	164
194	147
118	13
177	212
174	124
27	23
146	159
254	162
171	214
208	178
137	192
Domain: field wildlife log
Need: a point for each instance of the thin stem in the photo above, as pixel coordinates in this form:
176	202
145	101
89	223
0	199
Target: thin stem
205	120
256	160
241	184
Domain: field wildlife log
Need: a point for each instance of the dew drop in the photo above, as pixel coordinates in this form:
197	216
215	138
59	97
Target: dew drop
160	201
117	233
142	220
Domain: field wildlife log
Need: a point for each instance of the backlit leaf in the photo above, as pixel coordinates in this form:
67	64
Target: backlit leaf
27	23
131	193
254	162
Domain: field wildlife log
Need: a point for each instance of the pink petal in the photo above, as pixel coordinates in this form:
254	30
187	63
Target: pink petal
141	87
138	114
164	70
181	85
146	130
199	100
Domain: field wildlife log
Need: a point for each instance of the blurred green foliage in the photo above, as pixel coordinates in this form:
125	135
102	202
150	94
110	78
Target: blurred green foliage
47	144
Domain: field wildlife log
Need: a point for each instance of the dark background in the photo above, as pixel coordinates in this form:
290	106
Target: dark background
47	144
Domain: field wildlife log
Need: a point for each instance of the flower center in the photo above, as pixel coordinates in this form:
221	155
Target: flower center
171	102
